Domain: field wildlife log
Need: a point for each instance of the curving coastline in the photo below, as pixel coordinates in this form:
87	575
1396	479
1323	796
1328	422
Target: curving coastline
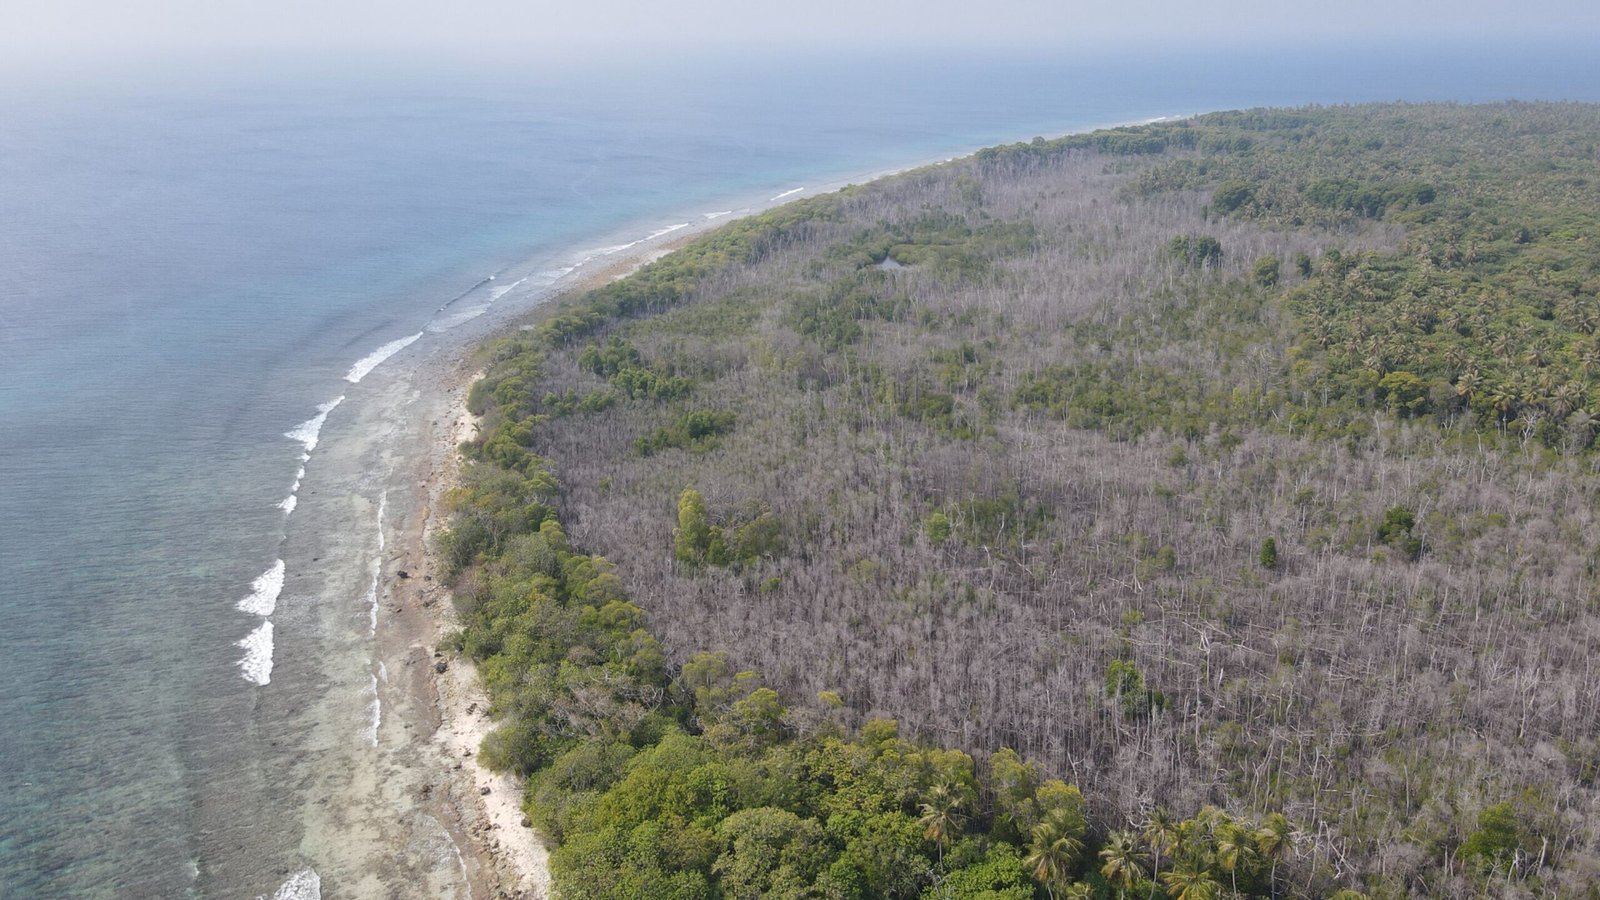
483	811
511	858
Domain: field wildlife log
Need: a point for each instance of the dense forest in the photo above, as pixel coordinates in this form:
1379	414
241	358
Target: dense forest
1200	509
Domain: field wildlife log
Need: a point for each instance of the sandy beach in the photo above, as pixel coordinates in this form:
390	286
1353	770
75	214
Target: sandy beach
502	856
436	698
480	810
407	811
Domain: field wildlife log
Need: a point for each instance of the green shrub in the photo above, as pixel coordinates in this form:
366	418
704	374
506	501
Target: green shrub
1269	554
1495	844
1266	271
1396	531
1197	251
1232	194
697	430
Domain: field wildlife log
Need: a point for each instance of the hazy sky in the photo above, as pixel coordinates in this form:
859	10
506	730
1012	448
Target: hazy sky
91	30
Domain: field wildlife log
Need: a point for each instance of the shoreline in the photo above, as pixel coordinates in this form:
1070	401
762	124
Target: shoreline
483	813
621	250
508	851
431	720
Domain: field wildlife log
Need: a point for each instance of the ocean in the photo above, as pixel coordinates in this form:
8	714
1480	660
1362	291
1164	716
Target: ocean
220	292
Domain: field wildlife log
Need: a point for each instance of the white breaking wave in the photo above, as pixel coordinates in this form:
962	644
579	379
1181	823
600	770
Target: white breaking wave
372	601
618	248
377	714
460	315
372	360
718	215
666	231
307	432
377	569
383	672
542	280
305	884
264	590
606	251
499	292
288	503
789	193
256	667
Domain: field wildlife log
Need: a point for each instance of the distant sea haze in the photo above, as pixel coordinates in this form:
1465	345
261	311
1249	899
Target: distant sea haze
214	303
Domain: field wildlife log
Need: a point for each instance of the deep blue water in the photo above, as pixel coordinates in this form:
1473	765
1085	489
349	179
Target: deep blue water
190	261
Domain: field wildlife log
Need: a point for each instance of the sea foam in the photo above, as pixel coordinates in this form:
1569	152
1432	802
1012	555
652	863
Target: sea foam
377	714
665	231
308	431
377	569
614	249
383	507
499	292
288	503
264	590
372	360
256	667
305	884
789	193
717	215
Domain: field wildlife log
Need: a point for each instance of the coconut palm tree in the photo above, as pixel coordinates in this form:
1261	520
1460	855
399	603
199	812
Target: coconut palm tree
1536	391
1567	310
1194	833
1123	863
1567	397
1161	833
1322	333
1588	318
1504	397
1589	357
1236	848
1273	842
941	817
1054	852
1191	879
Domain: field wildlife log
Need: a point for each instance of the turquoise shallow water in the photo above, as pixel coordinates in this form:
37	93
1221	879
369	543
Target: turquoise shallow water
190	265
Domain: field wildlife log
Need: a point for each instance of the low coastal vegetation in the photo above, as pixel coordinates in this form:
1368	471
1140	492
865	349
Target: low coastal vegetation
1193	510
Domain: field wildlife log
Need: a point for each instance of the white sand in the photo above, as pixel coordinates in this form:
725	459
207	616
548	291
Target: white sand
513	849
515	852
